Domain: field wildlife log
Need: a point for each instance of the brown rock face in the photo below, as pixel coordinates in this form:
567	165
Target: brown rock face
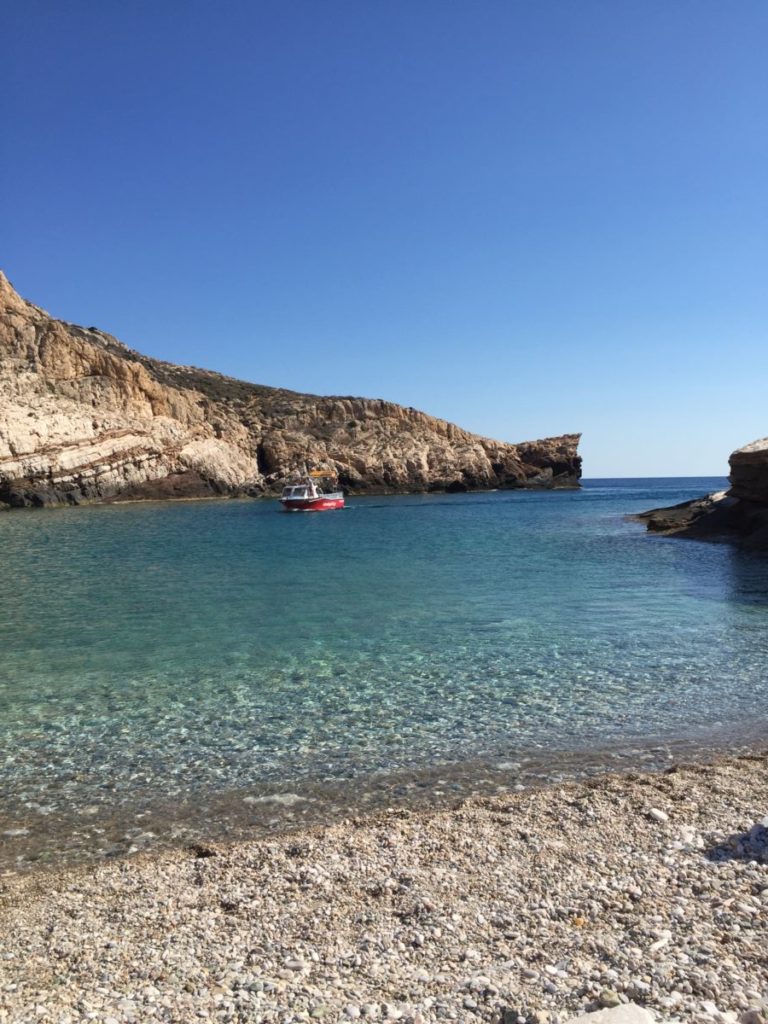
739	514
749	472
84	418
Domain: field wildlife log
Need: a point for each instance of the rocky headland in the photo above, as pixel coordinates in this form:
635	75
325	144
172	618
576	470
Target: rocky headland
85	418
739	514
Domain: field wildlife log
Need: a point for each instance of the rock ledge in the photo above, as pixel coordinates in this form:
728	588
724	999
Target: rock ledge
739	514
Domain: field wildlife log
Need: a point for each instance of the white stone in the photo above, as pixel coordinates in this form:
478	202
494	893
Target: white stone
662	941
627	1013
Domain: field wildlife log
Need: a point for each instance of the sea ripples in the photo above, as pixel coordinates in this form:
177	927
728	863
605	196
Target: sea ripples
179	653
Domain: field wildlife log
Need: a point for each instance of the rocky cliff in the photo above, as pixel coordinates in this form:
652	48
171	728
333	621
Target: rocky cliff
739	514
84	418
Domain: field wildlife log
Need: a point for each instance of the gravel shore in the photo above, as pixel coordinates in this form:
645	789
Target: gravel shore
651	888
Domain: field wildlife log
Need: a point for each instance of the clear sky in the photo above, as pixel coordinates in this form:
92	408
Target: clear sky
526	216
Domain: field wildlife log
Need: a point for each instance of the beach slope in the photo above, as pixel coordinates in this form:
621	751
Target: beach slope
651	888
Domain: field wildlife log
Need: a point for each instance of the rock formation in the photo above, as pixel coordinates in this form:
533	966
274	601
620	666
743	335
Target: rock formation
85	418
738	514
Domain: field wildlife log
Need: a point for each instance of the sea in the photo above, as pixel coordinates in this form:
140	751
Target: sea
192	672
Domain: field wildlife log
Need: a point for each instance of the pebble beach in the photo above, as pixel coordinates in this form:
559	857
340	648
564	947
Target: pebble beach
528	908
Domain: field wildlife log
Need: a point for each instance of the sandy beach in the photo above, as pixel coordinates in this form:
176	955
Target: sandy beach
650	888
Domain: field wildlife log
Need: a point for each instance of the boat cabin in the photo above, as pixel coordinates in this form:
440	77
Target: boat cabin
300	491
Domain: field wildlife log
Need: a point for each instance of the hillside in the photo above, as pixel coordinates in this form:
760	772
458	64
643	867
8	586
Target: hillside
84	418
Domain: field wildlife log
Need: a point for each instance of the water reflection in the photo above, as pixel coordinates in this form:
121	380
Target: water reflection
747	577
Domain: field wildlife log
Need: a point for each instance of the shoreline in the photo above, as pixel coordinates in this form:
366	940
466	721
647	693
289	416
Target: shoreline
172	499
645	886
31	842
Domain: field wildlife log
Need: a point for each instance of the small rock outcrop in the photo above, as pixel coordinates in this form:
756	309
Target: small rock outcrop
739	514
749	472
85	418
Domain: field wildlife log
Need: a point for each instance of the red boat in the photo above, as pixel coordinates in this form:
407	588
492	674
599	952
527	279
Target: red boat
306	496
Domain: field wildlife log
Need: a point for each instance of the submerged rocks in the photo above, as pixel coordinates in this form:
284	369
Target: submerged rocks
84	418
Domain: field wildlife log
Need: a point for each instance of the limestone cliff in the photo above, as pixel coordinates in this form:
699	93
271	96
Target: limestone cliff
739	514
84	418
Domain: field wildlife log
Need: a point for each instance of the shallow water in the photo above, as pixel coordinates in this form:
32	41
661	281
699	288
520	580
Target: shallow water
210	655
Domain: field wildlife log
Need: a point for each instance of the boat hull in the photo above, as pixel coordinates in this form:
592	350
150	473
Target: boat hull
323	503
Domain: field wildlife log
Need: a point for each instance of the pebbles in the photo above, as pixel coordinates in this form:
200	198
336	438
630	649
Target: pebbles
536	907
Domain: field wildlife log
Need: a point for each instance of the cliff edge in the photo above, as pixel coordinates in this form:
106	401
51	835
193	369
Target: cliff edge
85	418
739	514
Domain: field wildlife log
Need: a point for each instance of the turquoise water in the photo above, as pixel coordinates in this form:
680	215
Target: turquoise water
220	651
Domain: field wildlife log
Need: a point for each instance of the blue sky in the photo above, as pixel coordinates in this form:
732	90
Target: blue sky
528	218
